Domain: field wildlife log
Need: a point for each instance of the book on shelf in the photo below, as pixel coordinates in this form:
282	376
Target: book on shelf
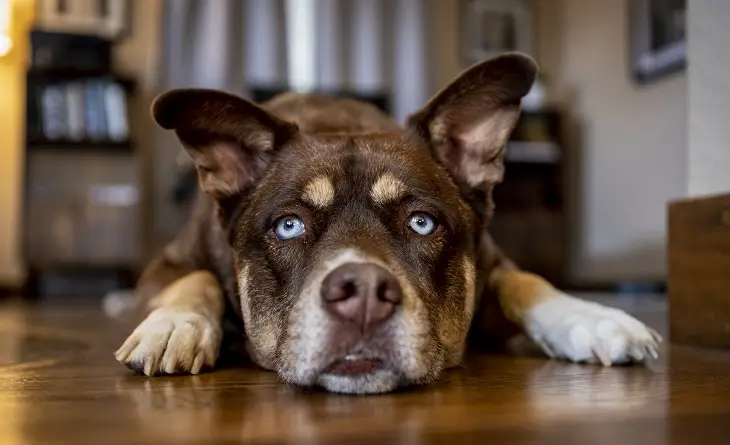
53	112
93	110
75	111
116	112
95	113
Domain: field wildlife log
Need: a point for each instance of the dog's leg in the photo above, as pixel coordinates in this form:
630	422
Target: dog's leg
183	304
570	328
183	330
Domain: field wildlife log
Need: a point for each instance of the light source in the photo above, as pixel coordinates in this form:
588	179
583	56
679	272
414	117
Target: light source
6	42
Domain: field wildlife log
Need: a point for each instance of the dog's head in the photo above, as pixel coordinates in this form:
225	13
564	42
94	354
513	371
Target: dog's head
356	253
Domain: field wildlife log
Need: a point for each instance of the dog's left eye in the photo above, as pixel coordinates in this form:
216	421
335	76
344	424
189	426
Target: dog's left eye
289	227
422	223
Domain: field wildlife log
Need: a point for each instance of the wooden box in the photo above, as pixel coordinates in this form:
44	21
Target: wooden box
699	271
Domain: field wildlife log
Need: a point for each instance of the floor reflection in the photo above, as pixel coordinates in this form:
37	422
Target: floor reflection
59	380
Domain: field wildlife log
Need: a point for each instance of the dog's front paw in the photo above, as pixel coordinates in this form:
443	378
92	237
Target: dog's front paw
172	341
581	331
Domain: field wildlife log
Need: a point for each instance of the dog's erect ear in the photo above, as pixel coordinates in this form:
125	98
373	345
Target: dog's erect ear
468	123
230	140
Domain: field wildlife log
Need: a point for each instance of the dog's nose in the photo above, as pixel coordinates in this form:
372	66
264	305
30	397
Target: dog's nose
362	293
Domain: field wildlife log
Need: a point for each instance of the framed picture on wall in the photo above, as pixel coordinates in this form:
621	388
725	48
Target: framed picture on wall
658	38
491	27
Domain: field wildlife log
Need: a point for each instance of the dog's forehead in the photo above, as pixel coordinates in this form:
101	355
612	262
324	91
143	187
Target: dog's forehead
382	164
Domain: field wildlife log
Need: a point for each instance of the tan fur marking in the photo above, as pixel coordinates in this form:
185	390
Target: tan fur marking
260	337
243	278
198	291
519	291
453	330
386	189
469	288
319	192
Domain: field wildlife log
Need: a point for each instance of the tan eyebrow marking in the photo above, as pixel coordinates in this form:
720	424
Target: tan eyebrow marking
387	188
319	192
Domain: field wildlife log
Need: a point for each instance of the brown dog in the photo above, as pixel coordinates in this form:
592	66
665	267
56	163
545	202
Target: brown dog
355	252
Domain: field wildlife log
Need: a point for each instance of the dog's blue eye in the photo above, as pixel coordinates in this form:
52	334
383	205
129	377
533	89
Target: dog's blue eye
422	223
289	227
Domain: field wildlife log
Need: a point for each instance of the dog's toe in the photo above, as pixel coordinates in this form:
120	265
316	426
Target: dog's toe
582	331
171	341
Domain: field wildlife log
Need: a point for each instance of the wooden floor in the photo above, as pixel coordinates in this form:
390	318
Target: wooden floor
60	384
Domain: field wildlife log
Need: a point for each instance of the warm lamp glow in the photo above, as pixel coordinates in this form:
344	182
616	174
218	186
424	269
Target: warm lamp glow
6	43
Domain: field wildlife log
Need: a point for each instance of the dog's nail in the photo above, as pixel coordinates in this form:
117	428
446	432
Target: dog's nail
149	366
546	349
653	352
123	353
656	336
169	366
602	355
198	363
638	352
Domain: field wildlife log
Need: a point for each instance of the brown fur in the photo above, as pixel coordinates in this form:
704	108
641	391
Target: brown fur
348	133
354	179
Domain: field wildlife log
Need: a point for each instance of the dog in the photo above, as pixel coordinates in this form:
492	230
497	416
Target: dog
354	252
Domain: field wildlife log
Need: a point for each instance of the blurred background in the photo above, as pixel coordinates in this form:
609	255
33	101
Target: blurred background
91	189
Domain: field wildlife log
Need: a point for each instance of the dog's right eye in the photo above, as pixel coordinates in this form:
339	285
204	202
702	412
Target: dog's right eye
289	227
422	223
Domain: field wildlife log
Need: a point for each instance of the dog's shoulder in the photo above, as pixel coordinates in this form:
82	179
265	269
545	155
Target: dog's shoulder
320	113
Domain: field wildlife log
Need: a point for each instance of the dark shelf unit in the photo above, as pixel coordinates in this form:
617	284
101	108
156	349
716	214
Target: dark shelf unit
81	213
531	216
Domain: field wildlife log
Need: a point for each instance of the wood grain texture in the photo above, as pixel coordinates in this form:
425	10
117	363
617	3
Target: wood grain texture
699	271
60	384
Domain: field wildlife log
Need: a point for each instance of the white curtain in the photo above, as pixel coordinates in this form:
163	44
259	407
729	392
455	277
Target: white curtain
360	46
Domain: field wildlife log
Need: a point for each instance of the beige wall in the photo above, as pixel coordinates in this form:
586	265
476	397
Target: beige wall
631	139
709	97
12	110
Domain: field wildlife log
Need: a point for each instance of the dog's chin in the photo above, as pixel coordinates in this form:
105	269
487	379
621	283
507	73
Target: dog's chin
375	382
359	374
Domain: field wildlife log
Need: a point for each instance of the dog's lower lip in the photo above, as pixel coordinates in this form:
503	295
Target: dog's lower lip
352	365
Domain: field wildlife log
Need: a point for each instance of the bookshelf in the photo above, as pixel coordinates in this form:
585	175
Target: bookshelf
81	206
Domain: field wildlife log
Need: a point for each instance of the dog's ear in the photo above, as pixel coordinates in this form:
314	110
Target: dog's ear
468	123
230	140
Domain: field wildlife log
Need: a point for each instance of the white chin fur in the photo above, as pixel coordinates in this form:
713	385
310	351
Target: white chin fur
380	381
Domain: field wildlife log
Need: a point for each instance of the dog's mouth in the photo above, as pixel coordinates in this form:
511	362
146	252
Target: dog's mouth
354	364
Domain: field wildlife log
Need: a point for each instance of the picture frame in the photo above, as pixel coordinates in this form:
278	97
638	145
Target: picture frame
493	27
658	38
109	19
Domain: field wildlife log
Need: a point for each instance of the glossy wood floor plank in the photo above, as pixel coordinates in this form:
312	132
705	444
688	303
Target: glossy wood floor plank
60	384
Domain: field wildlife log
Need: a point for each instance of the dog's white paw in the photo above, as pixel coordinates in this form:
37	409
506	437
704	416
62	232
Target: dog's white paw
582	331
172	341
